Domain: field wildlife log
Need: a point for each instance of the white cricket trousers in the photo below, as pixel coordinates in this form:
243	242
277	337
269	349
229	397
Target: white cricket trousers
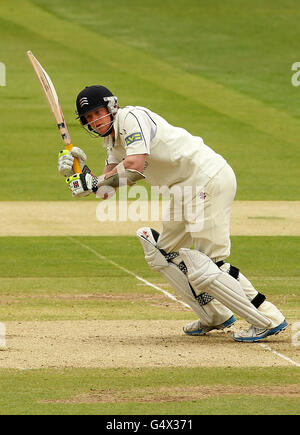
204	218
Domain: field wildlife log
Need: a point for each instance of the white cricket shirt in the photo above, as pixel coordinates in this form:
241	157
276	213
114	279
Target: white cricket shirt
174	155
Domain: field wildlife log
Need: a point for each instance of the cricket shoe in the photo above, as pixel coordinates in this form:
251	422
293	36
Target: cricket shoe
195	328
256	334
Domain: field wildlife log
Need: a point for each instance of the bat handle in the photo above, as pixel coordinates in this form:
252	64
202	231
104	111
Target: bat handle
76	165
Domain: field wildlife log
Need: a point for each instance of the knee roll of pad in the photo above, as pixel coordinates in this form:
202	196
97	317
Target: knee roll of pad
209	311
158	259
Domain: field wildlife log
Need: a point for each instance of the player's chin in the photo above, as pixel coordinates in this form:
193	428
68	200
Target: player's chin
101	130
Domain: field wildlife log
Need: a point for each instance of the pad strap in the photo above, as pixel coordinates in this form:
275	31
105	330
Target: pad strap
202	298
204	275
233	271
258	300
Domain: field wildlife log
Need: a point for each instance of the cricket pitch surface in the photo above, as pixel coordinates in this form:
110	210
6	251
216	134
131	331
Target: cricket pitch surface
78	218
125	343
136	343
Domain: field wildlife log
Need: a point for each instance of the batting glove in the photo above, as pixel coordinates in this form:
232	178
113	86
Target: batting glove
66	160
82	184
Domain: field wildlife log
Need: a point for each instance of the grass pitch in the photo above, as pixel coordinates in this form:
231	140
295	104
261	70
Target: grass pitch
84	392
221	70
57	282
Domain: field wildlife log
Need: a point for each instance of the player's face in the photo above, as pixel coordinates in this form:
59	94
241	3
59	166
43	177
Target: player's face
99	119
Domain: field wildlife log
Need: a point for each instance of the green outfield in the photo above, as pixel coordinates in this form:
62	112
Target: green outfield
37	270
221	70
89	329
53	392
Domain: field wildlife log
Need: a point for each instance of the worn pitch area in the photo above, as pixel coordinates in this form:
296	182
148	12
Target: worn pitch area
133	343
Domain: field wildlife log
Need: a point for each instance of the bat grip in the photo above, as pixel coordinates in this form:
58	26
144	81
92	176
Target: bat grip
76	165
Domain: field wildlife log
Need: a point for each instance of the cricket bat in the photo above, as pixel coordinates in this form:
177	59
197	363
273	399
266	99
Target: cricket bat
54	104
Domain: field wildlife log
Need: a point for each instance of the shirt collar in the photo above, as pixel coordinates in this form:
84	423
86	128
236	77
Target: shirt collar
109	140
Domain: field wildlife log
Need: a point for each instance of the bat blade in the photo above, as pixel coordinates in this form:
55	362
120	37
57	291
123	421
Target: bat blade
52	98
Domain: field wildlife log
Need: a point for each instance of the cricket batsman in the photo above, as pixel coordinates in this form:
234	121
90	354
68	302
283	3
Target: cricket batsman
192	248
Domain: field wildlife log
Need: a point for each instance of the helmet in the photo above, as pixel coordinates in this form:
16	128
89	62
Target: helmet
94	97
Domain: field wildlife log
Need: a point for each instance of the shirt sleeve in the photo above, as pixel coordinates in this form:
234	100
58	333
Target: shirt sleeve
140	130
110	158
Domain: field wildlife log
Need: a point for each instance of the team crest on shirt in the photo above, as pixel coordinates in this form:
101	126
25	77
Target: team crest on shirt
134	137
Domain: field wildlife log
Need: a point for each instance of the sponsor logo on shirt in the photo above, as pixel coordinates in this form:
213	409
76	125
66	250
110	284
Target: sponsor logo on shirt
134	137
